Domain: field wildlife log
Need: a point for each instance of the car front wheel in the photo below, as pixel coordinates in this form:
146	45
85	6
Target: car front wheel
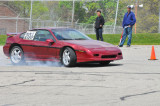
68	57
17	55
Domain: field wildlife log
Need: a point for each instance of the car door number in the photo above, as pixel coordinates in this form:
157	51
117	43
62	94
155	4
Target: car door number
29	35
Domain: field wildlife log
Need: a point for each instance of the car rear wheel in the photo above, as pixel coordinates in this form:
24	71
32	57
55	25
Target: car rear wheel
17	55
104	62
68	57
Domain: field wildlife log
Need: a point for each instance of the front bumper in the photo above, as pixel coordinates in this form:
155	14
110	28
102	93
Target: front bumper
97	57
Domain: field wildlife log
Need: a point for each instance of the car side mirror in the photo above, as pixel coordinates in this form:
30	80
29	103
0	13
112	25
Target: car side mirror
50	41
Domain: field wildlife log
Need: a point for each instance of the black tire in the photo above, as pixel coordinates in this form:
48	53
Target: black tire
72	56
104	63
20	54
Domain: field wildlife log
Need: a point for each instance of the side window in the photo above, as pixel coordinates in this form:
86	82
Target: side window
22	35
43	35
29	35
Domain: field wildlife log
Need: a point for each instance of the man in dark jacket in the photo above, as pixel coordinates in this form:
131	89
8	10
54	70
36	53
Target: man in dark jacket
99	25
128	21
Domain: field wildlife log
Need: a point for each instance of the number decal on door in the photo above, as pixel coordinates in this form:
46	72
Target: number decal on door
29	35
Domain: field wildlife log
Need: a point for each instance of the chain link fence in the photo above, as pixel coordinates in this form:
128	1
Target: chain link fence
83	27
16	16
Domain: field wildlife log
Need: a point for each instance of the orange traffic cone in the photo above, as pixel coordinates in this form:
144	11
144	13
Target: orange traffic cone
153	56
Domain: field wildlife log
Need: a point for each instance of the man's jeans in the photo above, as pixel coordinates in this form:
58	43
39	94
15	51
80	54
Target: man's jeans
99	34
127	31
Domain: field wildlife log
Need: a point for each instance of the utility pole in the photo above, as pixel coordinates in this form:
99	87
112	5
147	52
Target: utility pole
73	7
116	18
30	22
159	18
17	23
136	7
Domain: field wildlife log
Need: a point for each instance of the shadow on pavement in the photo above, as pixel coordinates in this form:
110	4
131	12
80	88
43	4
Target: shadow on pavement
96	65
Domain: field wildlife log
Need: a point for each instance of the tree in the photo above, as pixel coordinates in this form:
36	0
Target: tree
108	8
148	17
23	7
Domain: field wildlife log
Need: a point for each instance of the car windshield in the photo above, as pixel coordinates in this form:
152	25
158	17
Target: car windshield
69	34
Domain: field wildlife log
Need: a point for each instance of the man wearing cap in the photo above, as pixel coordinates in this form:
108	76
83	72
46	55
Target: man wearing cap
128	21
99	25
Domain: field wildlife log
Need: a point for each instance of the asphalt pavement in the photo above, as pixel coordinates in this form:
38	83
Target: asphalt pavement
133	81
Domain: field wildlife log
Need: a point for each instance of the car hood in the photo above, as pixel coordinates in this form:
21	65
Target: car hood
91	44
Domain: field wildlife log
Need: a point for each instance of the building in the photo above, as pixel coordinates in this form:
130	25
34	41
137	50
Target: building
10	22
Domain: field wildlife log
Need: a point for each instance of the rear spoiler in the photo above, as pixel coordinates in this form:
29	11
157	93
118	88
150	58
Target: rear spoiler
11	34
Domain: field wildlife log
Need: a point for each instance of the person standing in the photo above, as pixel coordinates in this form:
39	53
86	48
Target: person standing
99	25
128	22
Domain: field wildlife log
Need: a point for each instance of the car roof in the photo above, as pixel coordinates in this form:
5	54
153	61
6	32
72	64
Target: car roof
54	28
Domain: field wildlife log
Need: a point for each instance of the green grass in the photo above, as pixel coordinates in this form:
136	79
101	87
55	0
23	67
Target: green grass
138	39
3	39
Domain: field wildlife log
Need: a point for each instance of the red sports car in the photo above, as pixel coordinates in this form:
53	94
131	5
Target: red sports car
65	45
